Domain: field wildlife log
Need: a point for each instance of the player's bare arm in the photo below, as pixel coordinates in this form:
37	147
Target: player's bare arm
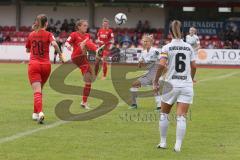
193	69
160	72
57	49
68	46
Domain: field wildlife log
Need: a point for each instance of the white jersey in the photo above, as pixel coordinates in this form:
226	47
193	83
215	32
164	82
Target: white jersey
193	41
149	56
179	55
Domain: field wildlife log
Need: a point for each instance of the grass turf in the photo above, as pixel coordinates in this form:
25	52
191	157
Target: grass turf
212	132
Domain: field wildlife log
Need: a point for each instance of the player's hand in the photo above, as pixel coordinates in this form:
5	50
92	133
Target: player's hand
194	81
156	87
140	64
100	42
62	58
68	46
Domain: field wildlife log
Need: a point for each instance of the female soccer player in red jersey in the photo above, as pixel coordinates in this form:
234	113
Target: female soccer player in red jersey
105	37
39	67
81	41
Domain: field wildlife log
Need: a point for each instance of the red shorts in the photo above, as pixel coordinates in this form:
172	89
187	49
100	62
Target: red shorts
106	51
82	63
39	72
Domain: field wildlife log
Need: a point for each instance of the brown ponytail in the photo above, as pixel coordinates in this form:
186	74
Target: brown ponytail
40	22
175	29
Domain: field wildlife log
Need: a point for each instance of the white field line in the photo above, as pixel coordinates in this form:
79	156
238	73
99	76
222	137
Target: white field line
60	122
32	131
219	77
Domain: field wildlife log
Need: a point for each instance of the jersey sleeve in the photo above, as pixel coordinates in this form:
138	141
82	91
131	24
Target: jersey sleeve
71	38
192	55
51	37
164	53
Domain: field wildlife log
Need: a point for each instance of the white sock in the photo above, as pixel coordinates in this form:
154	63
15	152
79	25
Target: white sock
163	126
134	95
158	100
180	131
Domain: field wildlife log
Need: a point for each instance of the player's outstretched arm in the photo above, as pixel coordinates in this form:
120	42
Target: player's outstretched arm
160	71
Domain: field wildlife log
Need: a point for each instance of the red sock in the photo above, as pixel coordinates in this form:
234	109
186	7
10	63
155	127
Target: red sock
104	69
37	102
35	108
86	92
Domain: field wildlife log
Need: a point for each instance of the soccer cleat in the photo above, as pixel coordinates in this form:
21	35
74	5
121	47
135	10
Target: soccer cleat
35	116
133	106
177	148
99	51
40	118
85	105
162	145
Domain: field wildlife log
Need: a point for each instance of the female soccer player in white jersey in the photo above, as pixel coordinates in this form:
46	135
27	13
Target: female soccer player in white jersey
179	58
150	57
193	39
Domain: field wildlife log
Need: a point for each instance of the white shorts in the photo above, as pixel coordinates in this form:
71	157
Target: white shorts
178	94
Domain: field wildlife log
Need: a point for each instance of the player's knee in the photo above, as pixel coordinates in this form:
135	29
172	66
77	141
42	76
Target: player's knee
136	84
133	89
88	78
163	116
36	86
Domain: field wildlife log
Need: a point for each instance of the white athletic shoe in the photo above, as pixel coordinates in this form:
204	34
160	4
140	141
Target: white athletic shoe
85	106
40	118
35	116
162	145
177	148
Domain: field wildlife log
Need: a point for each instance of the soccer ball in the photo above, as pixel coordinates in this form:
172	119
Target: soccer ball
120	18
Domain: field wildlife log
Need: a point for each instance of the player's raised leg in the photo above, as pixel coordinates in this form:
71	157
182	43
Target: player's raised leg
134	90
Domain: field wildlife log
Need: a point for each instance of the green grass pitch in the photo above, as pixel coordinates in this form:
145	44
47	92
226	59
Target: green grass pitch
212	132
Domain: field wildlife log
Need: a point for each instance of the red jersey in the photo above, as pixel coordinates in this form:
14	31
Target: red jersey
105	35
75	39
38	43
